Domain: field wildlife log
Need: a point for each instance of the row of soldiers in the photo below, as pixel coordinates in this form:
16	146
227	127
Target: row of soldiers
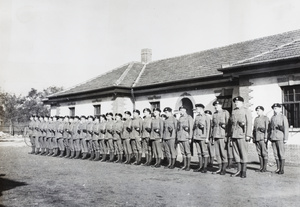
221	134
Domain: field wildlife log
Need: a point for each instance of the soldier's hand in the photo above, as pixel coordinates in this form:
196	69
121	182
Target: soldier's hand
284	141
206	141
248	139
266	140
190	141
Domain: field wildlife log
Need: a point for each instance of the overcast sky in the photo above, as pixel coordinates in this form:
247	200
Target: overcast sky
65	42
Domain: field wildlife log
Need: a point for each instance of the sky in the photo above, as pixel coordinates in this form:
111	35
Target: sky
66	42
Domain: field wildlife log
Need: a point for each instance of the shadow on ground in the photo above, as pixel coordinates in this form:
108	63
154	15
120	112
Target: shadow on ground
7	184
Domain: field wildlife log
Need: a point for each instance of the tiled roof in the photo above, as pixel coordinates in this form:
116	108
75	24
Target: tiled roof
197	65
206	63
123	76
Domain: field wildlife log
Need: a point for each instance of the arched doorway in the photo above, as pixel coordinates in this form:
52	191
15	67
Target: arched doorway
187	103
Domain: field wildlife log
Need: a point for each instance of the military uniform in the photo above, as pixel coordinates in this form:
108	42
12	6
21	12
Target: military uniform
55	138
103	147
36	135
260	136
169	136
156	134
60	138
279	132
146	147
96	140
31	136
109	139
219	134
127	128
89	139
76	137
184	135
201	132
118	129
135	136
83	141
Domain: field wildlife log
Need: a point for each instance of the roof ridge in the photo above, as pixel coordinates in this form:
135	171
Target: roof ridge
139	76
269	51
224	46
121	78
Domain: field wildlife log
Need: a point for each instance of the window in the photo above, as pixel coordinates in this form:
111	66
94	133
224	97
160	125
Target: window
291	103
72	111
227	102
155	104
97	110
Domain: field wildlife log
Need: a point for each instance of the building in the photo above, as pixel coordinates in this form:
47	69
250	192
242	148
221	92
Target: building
263	71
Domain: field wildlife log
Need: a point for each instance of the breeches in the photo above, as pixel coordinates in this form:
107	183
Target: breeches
146	148
262	149
278	149
127	146
221	152
201	147
240	150
170	145
156	148
136	145
118	146
185	148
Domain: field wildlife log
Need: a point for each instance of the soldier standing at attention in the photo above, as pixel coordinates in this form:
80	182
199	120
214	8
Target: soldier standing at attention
157	127
83	133
109	136
54	142
103	146
118	129
210	145
49	136
241	133
70	138
30	134
59	136
219	134
96	137
279	132
136	136
170	126
76	136
127	129
67	136
260	138
36	134
184	136
146	130
201	132
89	136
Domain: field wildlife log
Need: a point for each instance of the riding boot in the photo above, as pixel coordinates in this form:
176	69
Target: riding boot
169	163
223	171
229	163
68	153
158	163
219	170
72	155
136	158
261	164
92	155
204	169
238	172
84	155
200	164
172	166
50	152
121	158
103	157
147	160
111	157
97	157
46	151
77	155
265	165
37	151
32	150
55	152
244	169
188	159
61	153
211	162
184	163
278	166
118	159
139	158
282	167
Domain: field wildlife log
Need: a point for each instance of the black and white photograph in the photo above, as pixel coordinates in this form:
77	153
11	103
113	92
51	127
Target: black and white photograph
159	103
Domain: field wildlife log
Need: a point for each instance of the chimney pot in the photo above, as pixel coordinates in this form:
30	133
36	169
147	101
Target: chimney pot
146	55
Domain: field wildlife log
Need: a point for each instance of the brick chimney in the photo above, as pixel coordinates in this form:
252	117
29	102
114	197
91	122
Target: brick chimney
146	55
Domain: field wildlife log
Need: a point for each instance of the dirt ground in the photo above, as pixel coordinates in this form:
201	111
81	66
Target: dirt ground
32	180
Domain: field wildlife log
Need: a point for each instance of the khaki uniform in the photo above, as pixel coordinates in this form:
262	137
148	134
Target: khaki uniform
126	136
117	140
157	127
169	135
109	135
135	135
260	134
146	129
184	134
201	133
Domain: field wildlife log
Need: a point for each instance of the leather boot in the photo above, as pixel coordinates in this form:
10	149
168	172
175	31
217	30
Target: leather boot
261	164
118	158
238	172
282	167
84	155
229	163
223	171
77	155
54	152
103	157
200	164
136	158
147	159
129	158
158	163
50	152
68	153
61	153
37	151
278	166
169	163
184	163
46	152
92	155
111	156
32	150
42	151
139	158
219	170
204	169
121	158
265	165
244	169
211	162
172	166
188	160
72	155
97	158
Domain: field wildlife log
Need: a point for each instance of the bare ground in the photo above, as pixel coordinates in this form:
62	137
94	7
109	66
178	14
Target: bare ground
32	180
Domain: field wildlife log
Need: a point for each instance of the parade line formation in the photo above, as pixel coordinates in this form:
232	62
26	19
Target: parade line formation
157	136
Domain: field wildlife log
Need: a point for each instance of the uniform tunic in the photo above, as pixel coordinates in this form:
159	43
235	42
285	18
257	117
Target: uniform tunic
156	134
146	129
103	146
169	135
135	135
185	133
126	136
118	130
201	133
279	132
109	135
260	134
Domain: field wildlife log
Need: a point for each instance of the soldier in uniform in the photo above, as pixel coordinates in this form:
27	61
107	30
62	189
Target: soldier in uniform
146	130
118	130
241	133
279	132
35	134
42	135
76	131
59	136
30	134
83	134
184	136
136	124
89	137
260	137
109	136
210	145
67	136
54	143
103	146
219	134
169	136
127	129
157	127
96	137
71	153
201	132
166	153
49	135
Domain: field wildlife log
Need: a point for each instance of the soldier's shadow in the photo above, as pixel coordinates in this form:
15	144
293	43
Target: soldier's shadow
7	184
